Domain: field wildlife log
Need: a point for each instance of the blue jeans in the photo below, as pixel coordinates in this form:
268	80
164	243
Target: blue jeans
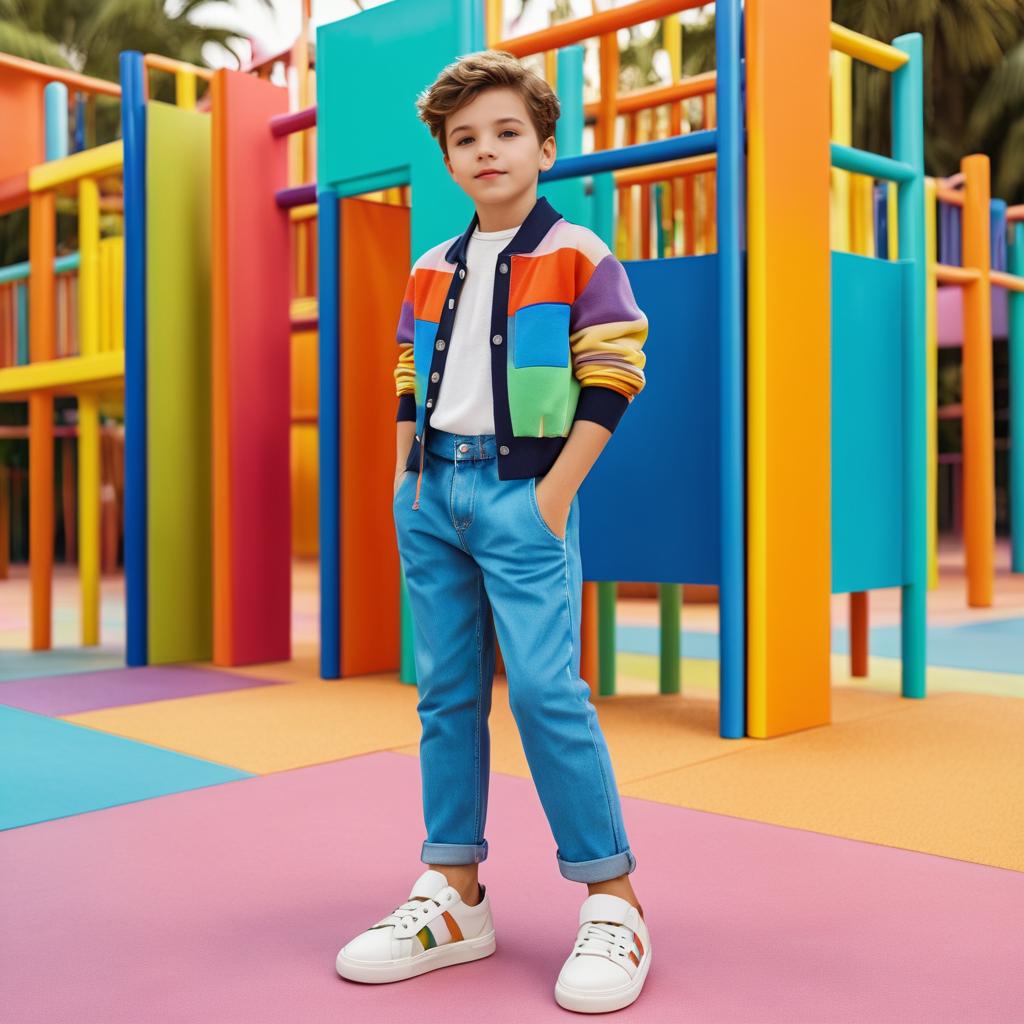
478	544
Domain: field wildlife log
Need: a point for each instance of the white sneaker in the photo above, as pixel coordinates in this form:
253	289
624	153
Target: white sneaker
607	967
434	928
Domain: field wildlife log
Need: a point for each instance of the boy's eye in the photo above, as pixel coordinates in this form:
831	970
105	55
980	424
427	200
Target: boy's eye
468	138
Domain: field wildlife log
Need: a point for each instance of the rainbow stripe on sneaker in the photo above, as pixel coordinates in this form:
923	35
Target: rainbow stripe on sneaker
428	940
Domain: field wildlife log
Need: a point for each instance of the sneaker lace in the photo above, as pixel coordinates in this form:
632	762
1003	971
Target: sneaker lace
410	910
601	939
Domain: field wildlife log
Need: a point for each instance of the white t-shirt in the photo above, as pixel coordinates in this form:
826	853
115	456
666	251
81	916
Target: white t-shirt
465	404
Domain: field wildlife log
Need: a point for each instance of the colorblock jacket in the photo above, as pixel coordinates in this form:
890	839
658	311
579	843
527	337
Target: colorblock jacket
566	339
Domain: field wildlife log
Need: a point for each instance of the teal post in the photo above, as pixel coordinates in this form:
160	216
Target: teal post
1015	344
55	101
908	148
603	225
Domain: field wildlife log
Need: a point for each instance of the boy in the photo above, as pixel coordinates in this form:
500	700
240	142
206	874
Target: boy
520	346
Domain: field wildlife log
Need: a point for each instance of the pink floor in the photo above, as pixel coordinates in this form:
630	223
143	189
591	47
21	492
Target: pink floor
228	904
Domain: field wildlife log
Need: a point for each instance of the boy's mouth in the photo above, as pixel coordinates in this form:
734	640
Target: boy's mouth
489	173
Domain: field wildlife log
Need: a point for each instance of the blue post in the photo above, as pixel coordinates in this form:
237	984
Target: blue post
136	500
55	103
79	122
731	305
329	231
908	148
997	233
1015	345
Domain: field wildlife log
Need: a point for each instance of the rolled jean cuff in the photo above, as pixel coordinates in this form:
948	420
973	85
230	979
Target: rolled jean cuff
453	853
601	870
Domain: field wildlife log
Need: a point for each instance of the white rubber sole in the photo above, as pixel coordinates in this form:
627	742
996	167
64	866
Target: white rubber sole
461	952
598	1002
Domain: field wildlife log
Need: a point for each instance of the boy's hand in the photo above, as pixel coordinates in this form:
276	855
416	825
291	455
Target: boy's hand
399	477
558	486
554	502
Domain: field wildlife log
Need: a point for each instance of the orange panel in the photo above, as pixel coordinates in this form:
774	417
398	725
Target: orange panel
373	281
789	386
22	115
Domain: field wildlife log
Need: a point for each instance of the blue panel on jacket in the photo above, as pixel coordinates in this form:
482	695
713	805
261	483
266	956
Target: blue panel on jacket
649	507
539	334
867	422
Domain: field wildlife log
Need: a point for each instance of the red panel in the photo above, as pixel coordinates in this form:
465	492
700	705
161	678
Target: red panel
252	487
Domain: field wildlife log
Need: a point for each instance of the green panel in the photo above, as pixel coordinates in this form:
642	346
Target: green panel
370	69
541	400
178	385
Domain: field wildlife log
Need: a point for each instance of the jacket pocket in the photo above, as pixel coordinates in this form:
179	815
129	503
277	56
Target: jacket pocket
539	335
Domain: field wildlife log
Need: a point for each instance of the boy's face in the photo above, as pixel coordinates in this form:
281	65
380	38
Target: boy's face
494	154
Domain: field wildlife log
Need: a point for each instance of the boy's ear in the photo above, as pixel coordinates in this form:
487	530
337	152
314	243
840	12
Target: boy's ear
548	153
448	164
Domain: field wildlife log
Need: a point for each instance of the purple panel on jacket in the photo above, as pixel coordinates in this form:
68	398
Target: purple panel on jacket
406	323
608	298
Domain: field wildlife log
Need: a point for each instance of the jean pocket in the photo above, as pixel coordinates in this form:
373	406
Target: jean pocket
532	490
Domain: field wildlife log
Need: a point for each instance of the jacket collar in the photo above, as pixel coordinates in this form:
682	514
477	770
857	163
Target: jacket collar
530	234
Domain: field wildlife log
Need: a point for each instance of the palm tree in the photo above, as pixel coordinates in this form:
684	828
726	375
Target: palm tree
973	81
88	36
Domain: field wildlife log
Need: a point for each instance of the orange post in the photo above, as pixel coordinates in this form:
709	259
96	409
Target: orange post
978	418
42	245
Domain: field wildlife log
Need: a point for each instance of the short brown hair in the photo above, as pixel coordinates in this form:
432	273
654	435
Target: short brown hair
463	80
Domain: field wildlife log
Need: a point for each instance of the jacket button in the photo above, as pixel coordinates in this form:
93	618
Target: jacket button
439	344
503	449
435	376
504	268
451	303
430	403
496	339
417	437
462	273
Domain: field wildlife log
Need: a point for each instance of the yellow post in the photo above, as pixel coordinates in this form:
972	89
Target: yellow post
842	132
185	88
892	208
931	381
88	411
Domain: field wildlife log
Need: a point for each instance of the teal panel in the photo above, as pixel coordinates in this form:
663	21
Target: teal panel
867	422
52	769
370	69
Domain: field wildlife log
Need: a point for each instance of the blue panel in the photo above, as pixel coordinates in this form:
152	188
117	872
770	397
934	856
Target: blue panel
329	450
537	335
424	335
867	422
136	498
52	769
650	506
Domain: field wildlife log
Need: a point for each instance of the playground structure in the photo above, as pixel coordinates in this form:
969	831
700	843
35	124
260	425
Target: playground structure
977	256
80	352
210	419
876	537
